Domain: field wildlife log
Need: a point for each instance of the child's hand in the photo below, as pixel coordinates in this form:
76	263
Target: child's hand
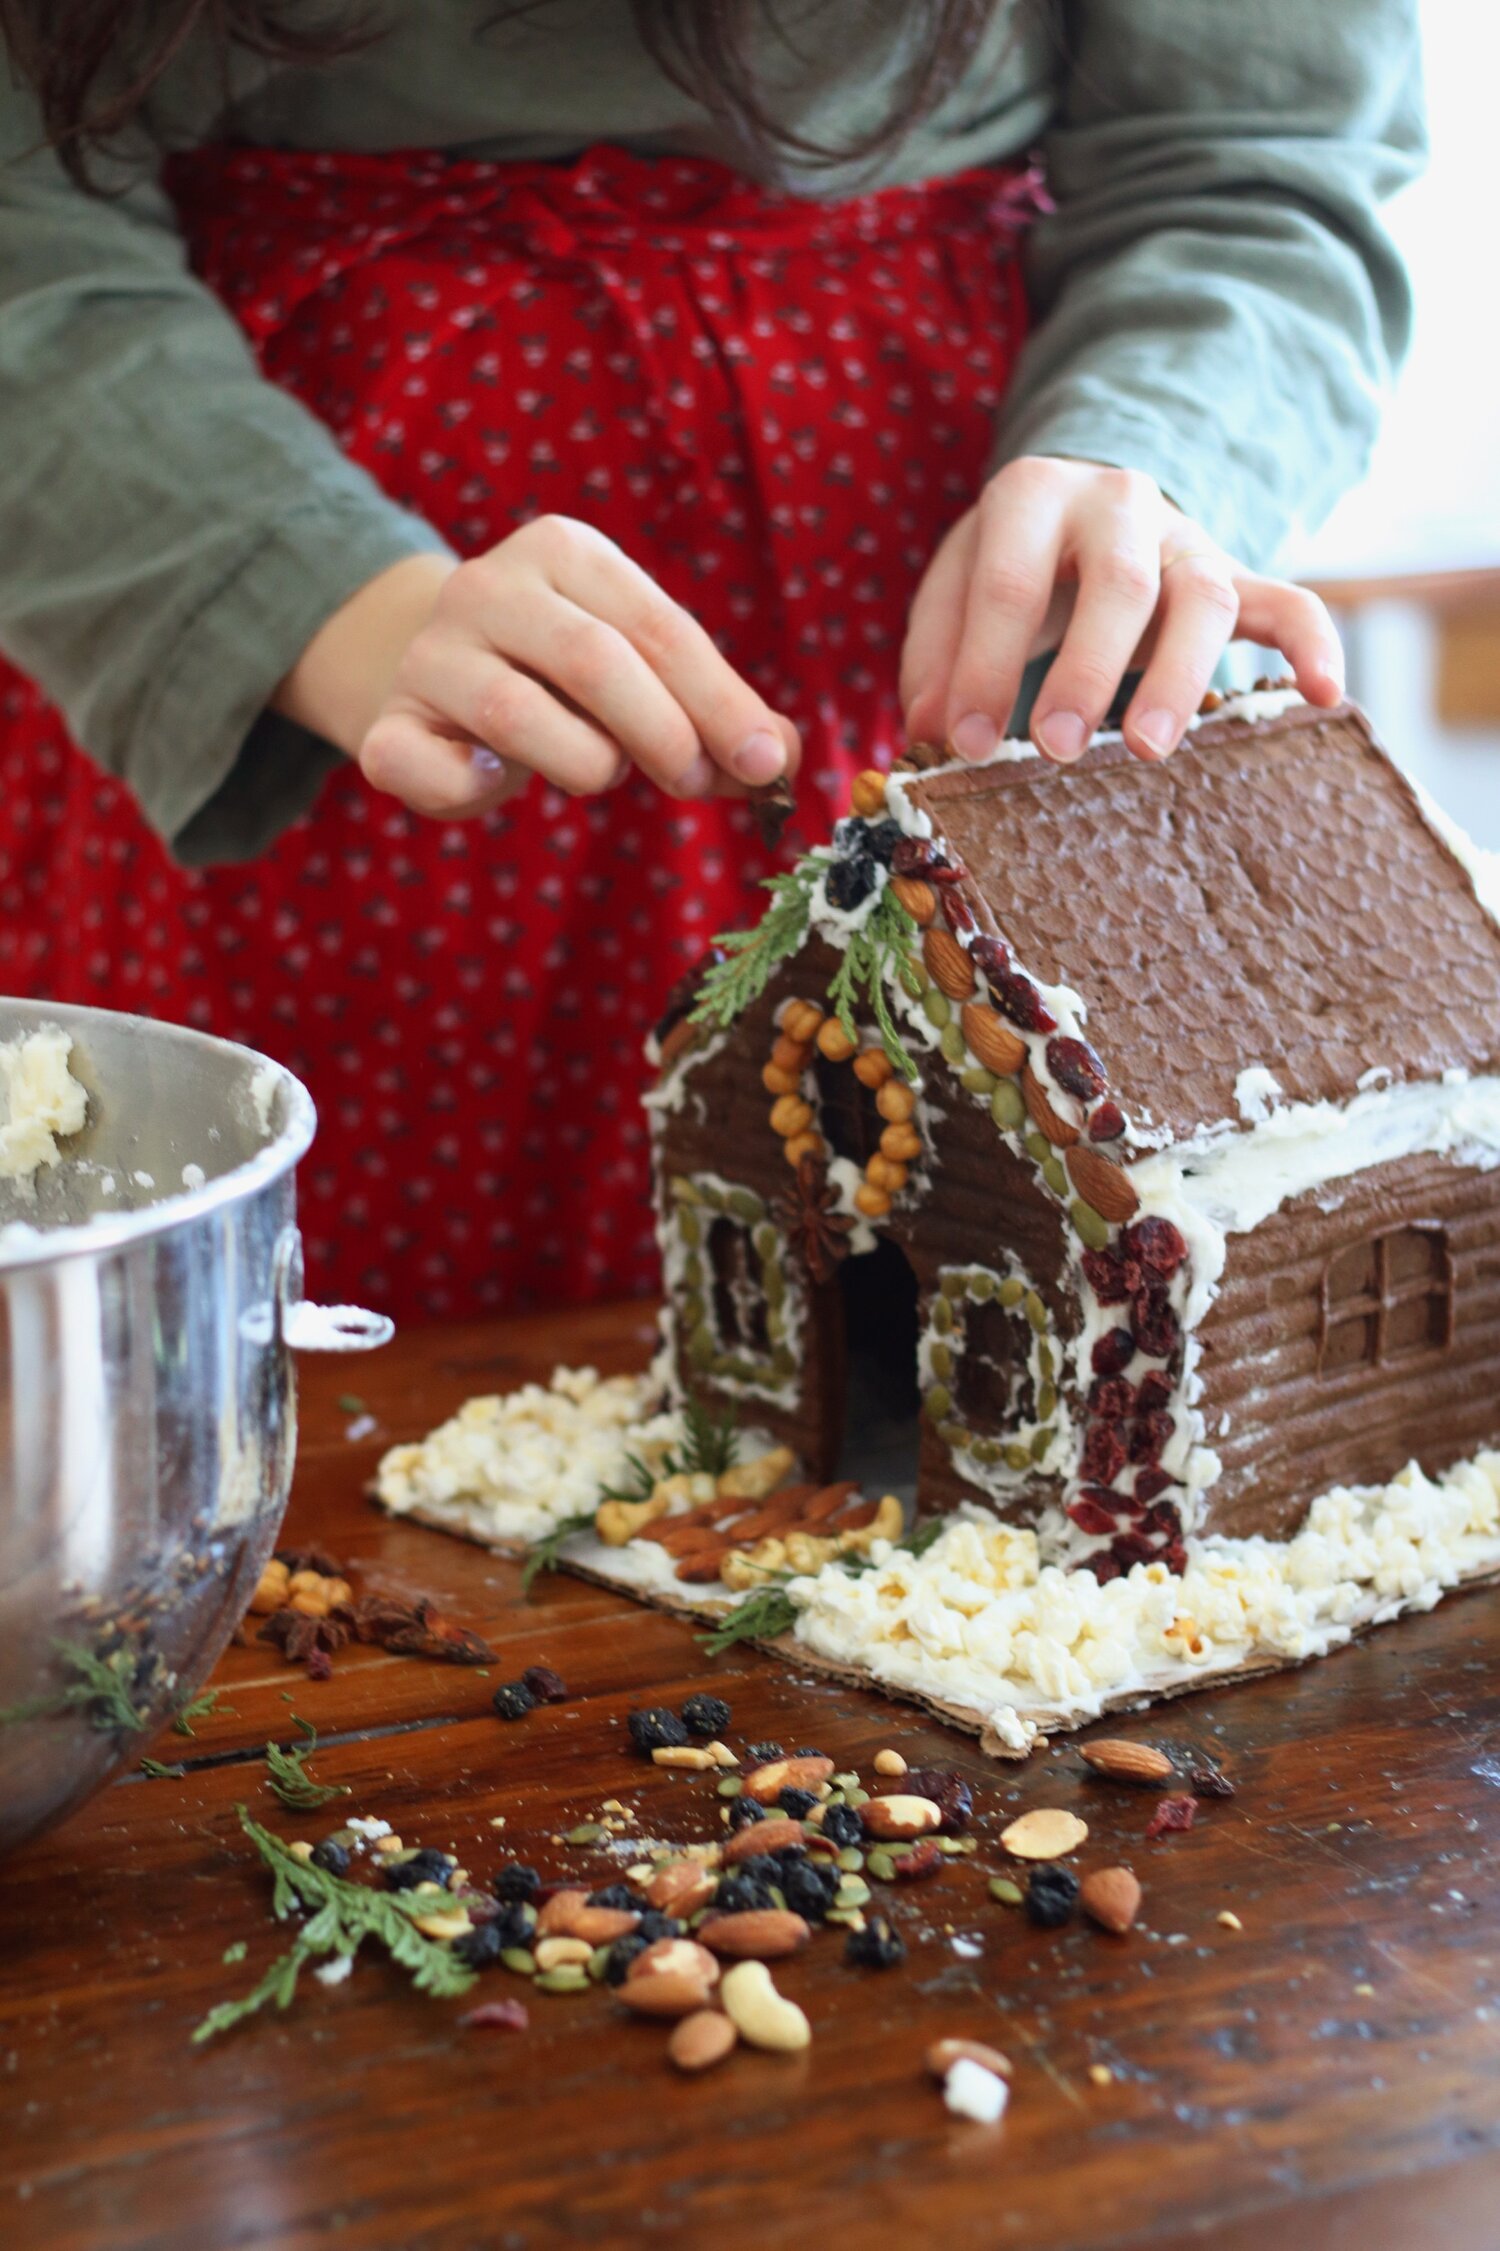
553	654
1096	563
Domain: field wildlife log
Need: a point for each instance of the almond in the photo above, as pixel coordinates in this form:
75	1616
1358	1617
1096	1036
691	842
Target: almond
766	1783
1124	1761
674	1957
1107	1186
601	1926
701	2040
560	1912
948	965
1046	1833
668	1995
682	1888
1043	1116
1113	1898
760	1934
996	1045
918	898
944	2054
762	1836
900	1817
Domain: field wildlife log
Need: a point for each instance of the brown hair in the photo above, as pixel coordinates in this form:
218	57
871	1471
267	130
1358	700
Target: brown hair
92	64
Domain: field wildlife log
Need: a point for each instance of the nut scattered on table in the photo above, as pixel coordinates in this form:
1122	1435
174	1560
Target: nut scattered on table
1046	1833
1112	1896
701	2040
1123	1761
761	2015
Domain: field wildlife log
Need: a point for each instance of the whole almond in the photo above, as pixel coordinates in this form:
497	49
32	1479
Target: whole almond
766	1783
1046	1833
1043	1116
669	1995
992	1040
601	1926
560	1912
674	1957
948	965
1105	1185
1112	1896
760	1934
701	2040
899	1817
681	1888
761	1837
1124	1761
918	898
944	2054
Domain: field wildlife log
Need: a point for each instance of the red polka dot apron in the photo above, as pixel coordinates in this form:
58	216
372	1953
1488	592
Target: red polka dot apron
777	407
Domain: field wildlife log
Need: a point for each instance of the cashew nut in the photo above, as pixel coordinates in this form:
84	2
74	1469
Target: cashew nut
685	1489
619	1521
761	2015
752	1481
751	1567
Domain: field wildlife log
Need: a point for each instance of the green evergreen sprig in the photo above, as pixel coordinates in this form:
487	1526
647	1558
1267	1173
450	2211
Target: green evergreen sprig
342	1916
762	1616
102	1687
731	985
288	1777
872	957
547	1552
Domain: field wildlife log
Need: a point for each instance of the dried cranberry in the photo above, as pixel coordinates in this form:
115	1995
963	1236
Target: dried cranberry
1107	1122
1020	1000
949	1792
1108	1278
1154	1325
1161	1518
1075	1066
914	855
992	955
1103	1455
1114	1351
924	1859
1175	1558
1103	1565
1156	1245
1172	1815
496	2016
1090	1517
946	871
1132	1547
546	1686
1150	1482
1155	1393
1148	1435
1112	1399
958	914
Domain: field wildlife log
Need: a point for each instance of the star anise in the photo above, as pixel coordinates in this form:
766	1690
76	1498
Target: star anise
811	1222
414	1629
297	1636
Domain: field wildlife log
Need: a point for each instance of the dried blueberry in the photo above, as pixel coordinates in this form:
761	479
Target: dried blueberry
797	1804
808	1751
744	1811
331	1856
481	1946
424	1867
842	1826
545	1685
515	1923
761	1754
513	1700
620	1956
880	840
1207	1782
1051	1896
614	1895
516	1882
849	882
653	1925
947	1790
876	1947
705	1715
808	1891
760	1868
739	1894
656	1729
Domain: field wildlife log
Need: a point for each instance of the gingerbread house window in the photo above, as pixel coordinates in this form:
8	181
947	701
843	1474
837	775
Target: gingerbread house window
1387	1300
739	1301
992	1388
847	1116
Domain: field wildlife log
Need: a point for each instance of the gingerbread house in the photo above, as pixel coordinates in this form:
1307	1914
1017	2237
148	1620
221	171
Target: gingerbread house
1123	1141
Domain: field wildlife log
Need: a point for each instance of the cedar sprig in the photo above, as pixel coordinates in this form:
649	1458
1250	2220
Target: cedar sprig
710	1442
288	1777
206	1706
875	953
102	1687
762	1616
342	1916
547	1553
752	955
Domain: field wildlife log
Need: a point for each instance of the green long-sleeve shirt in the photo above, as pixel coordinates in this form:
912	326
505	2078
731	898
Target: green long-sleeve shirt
1215	303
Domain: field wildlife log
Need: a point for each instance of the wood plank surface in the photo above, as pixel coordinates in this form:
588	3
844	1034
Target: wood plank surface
1328	2076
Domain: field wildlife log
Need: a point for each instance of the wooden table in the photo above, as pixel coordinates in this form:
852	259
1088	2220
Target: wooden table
1328	2076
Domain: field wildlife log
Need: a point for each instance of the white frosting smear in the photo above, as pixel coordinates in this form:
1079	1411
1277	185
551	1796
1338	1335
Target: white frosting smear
42	1100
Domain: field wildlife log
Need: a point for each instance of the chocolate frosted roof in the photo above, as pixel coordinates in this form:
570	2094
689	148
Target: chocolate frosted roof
1271	895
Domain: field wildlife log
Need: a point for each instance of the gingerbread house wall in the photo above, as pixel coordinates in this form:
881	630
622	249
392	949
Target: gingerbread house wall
1311	1401
981	1205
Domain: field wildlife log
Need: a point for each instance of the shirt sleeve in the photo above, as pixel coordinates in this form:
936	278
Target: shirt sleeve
175	528
1215	299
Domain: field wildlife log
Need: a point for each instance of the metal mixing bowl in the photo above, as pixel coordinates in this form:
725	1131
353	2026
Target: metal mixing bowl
150	1298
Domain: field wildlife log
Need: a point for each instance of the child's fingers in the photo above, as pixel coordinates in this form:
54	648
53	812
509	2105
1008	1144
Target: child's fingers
1195	619
1290	618
1118	557
934	632
1010	588
424	752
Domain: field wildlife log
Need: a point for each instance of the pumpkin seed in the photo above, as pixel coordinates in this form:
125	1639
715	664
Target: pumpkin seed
847	1781
1041	1444
914	976
684	1192
730	1786
1008	1106
851	1860
597	1963
856	1796
1012	1290
784	1360
773	1284
940	1356
955	1286
568	1977
690	1229
937	1403
1091	1226
1046	1401
1008	1894
520	1959
952	1043
1038	1147
766	1240
849	1917
979	1080
953	1434
1045	1361
701	1348
882	1867
586	1833
935	1008
986	1450
746	1205
1018	1457
982	1286
852	1892
942	1315
1036	1313
693	1310
778	1897
775	1322
1055	1177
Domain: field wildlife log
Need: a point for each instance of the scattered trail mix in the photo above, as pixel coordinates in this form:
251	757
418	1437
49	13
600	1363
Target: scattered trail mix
311	1611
